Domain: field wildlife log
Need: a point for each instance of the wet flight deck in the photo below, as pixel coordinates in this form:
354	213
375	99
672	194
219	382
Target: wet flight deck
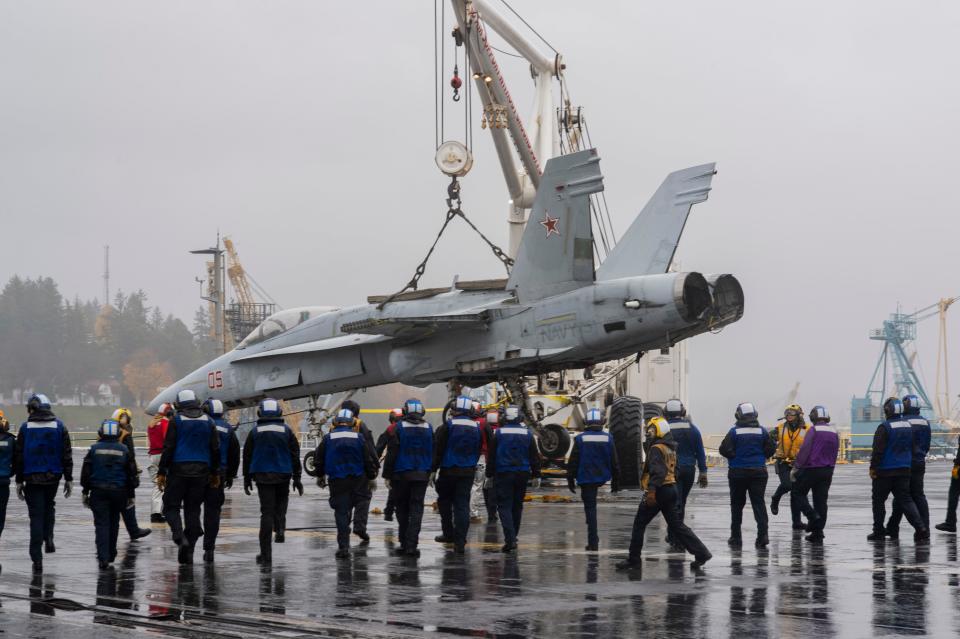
551	588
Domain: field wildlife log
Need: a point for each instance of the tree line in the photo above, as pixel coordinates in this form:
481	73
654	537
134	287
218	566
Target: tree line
74	350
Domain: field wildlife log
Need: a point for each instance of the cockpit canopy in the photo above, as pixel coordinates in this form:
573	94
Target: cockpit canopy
282	321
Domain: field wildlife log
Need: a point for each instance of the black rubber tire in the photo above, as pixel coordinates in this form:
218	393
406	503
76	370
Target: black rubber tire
554	442
308	466
626	428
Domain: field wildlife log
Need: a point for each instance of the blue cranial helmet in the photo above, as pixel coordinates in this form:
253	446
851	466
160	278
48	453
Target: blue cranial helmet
269	407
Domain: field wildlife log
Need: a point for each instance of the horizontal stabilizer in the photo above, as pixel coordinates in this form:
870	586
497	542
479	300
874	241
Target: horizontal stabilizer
556	250
332	343
649	244
415	327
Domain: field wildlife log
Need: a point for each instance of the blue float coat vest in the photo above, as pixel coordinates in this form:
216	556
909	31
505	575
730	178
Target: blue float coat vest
749	442
899	450
42	447
416	447
223	432
193	439
596	451
6	457
921	438
271	450
513	446
463	443
108	464
343	453
689	446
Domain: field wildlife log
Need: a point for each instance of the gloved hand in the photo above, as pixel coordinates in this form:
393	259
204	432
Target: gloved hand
161	482
85	499
215	480
955	473
297	486
873	474
372	485
388	483
321	481
650	499
247	486
433	480
793	475
228	483
536	482
67	489
572	486
20	494
702	480
131	503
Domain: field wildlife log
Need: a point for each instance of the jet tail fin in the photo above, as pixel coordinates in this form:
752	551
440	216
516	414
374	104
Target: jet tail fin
556	251
649	244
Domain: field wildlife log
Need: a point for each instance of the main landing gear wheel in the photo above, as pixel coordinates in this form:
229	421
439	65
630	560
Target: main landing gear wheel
309	466
554	442
626	428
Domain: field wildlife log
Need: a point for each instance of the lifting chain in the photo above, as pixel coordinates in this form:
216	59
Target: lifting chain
454	209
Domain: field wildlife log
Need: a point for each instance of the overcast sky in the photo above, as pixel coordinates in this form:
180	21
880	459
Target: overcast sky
304	130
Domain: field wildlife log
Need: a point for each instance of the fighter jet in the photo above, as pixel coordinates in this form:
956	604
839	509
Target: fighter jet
556	311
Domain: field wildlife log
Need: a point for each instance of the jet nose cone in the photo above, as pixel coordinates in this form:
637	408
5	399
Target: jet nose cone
167	395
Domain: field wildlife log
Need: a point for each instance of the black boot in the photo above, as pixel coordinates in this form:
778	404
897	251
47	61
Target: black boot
947	527
140	534
774	505
892	533
735	541
343	553
208	556
629	564
876	535
37	567
922	536
185	554
762	541
279	538
48	546
702	559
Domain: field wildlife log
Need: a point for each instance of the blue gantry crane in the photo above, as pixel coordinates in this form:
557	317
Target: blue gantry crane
894	375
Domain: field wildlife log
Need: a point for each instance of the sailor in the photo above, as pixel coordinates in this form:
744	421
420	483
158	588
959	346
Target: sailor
42	456
229	464
361	509
747	446
271	458
344	464
592	463
492	423
156	433
189	463
918	466
108	478
456	451
124	418
788	437
813	471
512	461
7	444
890	466
396	414
949	525
691	456
660	496
407	471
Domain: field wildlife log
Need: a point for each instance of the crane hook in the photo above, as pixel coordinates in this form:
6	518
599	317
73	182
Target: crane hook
456	83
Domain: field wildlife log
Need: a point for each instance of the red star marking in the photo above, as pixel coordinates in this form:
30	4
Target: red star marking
550	223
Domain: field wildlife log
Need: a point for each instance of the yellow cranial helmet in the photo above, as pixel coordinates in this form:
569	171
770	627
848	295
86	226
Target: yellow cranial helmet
657	428
122	412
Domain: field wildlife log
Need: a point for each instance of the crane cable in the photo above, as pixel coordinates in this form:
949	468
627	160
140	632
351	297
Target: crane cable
454	210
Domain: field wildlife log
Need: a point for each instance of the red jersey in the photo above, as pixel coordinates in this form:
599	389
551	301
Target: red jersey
156	433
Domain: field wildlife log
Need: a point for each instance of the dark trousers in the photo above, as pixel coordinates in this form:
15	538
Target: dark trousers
391	506
409	497
453	500
187	492
588	493
686	476
212	505
744	482
783	474
490	501
917	473
510	489
953	496
816	480
129	516
107	506
668	506
345	494
273	513
361	509
42	512
899	485
4	498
